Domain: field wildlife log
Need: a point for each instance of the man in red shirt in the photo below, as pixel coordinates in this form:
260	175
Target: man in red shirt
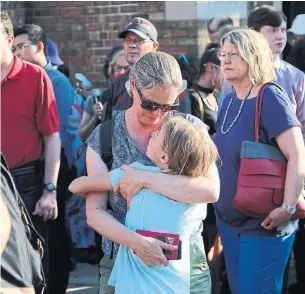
59	242
29	132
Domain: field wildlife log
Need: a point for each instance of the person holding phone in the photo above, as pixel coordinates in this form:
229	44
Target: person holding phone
154	96
154	212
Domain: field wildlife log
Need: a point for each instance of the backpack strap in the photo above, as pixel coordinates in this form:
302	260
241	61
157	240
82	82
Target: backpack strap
195	94
106	130
35	251
35	238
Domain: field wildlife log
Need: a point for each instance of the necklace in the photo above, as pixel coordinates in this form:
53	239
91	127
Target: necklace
224	132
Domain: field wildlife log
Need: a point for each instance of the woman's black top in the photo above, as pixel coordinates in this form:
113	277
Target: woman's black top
209	114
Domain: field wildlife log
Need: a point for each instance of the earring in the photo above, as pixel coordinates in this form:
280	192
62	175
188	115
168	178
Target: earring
213	83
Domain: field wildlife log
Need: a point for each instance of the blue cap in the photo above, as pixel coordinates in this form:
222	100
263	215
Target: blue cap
52	53
83	79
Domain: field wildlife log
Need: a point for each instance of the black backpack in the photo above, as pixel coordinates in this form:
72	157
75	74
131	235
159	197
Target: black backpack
21	264
106	130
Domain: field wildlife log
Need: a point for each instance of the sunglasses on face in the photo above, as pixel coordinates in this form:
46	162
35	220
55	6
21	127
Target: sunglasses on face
151	105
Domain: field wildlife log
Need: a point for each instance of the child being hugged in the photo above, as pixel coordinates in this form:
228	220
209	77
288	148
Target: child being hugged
178	147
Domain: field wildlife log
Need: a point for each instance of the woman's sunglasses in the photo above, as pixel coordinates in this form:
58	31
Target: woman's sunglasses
151	105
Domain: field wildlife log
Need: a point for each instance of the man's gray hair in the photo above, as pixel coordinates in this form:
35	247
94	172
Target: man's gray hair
157	69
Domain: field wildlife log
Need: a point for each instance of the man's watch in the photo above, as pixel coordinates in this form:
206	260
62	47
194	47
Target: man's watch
50	187
290	209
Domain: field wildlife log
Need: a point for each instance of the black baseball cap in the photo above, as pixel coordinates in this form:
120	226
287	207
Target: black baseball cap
142	27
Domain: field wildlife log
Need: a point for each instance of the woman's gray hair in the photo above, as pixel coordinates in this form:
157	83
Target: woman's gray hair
157	69
254	49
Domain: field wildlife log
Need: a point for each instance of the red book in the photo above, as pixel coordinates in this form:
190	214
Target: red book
168	238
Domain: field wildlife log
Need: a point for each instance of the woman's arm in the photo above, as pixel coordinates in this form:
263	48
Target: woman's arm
180	188
147	249
184	189
292	145
94	183
87	125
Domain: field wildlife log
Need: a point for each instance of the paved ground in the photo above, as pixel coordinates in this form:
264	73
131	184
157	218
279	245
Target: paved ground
84	280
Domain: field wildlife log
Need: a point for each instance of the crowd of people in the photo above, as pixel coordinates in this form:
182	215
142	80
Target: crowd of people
142	176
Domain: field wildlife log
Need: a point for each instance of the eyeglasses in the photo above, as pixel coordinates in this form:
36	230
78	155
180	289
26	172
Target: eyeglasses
152	106
135	42
20	47
119	68
231	55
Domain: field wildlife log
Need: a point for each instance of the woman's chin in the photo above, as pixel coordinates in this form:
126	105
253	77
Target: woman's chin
228	77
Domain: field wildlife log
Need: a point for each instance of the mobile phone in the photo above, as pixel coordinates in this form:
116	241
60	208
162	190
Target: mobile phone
168	238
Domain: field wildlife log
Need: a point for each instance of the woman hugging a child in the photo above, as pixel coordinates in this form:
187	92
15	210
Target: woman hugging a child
180	148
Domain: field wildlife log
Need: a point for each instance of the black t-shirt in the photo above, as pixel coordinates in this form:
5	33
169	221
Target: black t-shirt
209	118
21	265
14	260
209	114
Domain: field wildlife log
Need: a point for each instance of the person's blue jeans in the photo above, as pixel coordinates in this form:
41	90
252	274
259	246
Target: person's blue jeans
255	264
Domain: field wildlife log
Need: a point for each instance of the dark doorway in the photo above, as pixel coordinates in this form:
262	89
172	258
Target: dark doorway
291	10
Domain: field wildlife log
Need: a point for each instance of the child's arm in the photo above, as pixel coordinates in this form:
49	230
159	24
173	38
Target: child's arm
93	183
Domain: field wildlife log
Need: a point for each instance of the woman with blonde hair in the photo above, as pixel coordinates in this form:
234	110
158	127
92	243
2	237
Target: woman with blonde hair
256	250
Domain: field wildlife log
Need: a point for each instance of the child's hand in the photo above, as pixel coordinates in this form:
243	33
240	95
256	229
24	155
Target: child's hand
130	183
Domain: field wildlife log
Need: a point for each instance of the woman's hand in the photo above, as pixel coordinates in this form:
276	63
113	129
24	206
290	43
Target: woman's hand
276	218
97	110
130	183
150	251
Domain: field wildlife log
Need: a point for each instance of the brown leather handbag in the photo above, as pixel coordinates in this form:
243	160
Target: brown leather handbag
262	175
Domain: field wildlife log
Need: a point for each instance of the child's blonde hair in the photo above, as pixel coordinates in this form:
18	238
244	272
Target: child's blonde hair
190	150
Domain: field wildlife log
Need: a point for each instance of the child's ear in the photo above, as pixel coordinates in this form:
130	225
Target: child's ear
164	158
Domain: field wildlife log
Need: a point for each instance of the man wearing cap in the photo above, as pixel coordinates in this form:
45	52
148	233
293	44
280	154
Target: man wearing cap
139	37
30	44
53	55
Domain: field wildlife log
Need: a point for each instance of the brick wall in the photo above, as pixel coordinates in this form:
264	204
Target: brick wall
85	30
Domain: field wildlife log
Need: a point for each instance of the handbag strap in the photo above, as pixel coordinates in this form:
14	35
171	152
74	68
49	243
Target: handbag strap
259	102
